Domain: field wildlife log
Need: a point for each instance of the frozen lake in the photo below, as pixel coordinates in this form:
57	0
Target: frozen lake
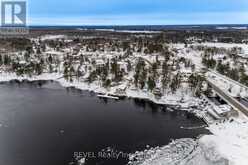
46	124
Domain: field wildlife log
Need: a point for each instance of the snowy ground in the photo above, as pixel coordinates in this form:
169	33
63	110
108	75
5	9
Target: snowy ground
194	56
230	140
52	37
179	152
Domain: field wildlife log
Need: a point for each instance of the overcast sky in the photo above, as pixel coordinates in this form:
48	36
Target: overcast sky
137	12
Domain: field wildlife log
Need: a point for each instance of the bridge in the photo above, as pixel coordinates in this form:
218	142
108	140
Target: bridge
229	99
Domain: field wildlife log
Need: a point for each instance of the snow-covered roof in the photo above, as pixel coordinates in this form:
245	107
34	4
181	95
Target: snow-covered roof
22	62
54	52
121	63
186	71
222	109
99	62
212	113
243	55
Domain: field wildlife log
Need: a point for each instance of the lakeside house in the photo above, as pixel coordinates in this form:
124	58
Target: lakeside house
99	64
224	111
54	53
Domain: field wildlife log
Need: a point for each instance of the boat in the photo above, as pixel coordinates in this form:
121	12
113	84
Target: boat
108	96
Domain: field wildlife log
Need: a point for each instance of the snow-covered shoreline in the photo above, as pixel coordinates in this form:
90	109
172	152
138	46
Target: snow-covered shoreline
94	87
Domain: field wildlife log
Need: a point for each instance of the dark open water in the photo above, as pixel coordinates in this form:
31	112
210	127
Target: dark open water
46	124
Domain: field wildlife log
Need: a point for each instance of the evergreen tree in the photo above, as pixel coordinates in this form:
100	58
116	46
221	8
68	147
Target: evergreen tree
38	51
50	68
176	82
71	73
1	60
114	68
27	56
66	73
143	78
136	79
165	75
129	66
154	69
78	72
6	60
192	80
173	87
140	73
151	83
92	77
39	68
234	74
209	91
107	83
50	59
244	79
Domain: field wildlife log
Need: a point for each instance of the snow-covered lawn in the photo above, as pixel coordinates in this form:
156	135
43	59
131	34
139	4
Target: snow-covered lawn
230	140
179	152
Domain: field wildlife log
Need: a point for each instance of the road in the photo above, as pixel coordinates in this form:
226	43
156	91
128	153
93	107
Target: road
244	102
229	99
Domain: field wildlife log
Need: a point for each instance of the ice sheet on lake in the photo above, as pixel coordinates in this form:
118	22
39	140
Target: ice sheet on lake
179	152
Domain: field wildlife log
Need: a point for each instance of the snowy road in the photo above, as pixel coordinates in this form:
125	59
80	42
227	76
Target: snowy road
229	99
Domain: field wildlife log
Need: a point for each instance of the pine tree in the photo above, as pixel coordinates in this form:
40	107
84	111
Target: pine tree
154	69
107	83
38	51
92	77
165	75
143	78
66	74
176	82
139	70
114	68
6	60
129	66
50	59
71	73
244	79
136	79
209	91
39	68
192	81
1	60
151	83
50	68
